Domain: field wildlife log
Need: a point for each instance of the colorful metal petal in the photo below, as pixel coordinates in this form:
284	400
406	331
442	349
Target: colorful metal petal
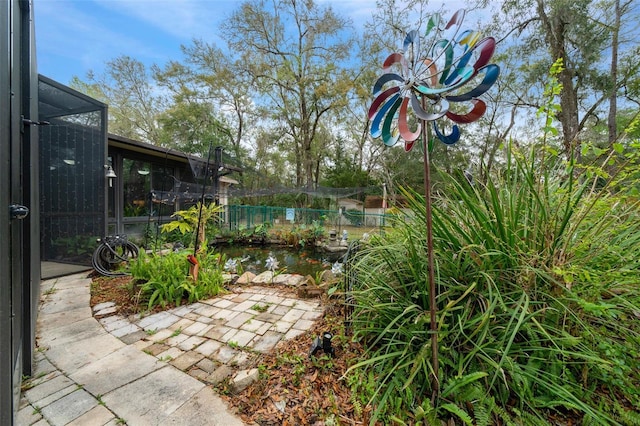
383	96
491	73
390	137
424	83
384	79
376	132
449	139
479	108
403	124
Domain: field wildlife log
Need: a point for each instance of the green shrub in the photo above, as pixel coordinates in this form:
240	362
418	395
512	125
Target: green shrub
537	302
165	280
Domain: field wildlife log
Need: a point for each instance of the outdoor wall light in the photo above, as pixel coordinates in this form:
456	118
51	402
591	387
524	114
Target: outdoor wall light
110	174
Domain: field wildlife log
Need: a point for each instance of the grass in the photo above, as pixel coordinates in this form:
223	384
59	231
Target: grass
260	308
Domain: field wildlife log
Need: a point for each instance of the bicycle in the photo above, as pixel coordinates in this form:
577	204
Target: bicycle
112	254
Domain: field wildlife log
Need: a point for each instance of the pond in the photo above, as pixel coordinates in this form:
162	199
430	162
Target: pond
296	261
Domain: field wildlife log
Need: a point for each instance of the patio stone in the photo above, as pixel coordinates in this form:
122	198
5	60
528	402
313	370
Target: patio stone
226	314
242	338
267	342
223	303
156	348
161	335
209	347
68	408
98	415
243	378
293	315
131	338
191	343
282	326
268	317
292	334
163	392
49	399
196	373
181	324
47	388
225	354
279	310
186	360
239	319
115	325
158	321
207	365
265	327
195	328
252	325
207	311
303	324
312	315
105	312
239	298
115	370
176	340
256	297
219	374
229	335
272	299
217	332
170	354
244	306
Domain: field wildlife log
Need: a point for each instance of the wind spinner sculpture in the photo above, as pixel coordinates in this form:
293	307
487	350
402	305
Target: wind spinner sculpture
442	81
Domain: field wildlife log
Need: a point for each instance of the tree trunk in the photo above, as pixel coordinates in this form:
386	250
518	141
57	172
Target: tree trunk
613	103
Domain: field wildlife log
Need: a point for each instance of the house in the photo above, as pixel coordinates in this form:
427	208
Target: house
349	204
373	208
94	183
151	183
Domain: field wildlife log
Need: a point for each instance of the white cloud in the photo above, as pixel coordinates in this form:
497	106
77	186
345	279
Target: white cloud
182	19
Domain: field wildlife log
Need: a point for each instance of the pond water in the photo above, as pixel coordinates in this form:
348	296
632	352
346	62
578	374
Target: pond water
296	261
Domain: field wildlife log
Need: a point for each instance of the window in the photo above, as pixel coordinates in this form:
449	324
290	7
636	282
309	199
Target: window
137	186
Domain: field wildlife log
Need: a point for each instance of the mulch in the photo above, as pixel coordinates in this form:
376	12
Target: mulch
297	389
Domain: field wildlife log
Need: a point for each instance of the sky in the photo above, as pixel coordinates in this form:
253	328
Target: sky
76	36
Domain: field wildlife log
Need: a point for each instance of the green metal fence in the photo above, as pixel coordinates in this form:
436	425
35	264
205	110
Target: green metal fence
243	217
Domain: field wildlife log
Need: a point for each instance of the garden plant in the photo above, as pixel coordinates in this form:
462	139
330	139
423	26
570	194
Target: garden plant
538	299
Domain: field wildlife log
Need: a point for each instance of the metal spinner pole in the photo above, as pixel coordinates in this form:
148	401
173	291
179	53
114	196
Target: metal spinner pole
426	135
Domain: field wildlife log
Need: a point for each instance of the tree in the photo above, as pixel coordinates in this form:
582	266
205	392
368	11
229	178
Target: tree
580	33
190	123
221	79
292	49
134	105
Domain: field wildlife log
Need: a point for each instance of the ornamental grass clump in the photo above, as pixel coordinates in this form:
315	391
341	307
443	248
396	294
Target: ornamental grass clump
538	302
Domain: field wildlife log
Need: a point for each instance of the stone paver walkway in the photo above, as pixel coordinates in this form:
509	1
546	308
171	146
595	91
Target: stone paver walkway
204	339
98	368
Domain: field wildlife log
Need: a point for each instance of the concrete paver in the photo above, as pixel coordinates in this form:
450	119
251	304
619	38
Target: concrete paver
150	369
